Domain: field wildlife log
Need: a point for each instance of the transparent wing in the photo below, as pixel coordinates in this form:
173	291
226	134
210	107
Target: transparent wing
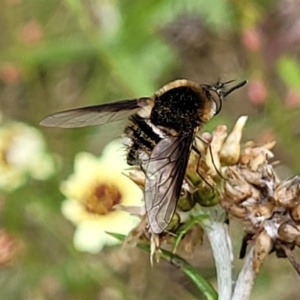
165	173
94	115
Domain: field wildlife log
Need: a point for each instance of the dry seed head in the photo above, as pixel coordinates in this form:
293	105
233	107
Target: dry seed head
196	166
262	248
235	210
235	186
262	212
237	191
295	213
256	156
230	151
203	141
287	194
288	233
270	208
253	178
212	157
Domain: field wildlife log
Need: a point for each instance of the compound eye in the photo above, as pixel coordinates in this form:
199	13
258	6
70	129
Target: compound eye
214	96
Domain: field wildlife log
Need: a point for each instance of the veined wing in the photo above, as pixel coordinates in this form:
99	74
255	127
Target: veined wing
165	173
95	115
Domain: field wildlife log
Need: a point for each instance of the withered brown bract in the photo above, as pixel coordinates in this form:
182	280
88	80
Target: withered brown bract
159	136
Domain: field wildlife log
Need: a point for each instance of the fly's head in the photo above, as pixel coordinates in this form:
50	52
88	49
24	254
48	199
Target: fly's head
216	94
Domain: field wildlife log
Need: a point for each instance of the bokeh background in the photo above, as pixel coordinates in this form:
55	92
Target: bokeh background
56	55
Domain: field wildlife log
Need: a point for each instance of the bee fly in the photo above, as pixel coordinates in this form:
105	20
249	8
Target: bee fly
160	135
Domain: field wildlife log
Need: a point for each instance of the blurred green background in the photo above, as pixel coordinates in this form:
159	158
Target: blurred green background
56	55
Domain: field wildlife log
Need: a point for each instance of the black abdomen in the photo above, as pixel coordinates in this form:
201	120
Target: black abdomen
143	139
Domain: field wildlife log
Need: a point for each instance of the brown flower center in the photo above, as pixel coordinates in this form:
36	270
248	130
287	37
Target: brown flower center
103	197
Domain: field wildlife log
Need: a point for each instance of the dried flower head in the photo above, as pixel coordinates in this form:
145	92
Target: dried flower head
268	207
242	179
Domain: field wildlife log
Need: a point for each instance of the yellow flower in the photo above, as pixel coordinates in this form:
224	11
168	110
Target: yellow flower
93	191
22	153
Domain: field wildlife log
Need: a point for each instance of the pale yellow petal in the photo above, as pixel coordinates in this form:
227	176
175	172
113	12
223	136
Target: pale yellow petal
74	211
89	237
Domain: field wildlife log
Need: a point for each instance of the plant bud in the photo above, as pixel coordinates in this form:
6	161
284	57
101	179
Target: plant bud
231	149
287	194
235	210
295	213
251	177
263	211
192	172
236	187
174	224
203	142
186	202
262	248
212	158
206	196
237	191
288	233
256	156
